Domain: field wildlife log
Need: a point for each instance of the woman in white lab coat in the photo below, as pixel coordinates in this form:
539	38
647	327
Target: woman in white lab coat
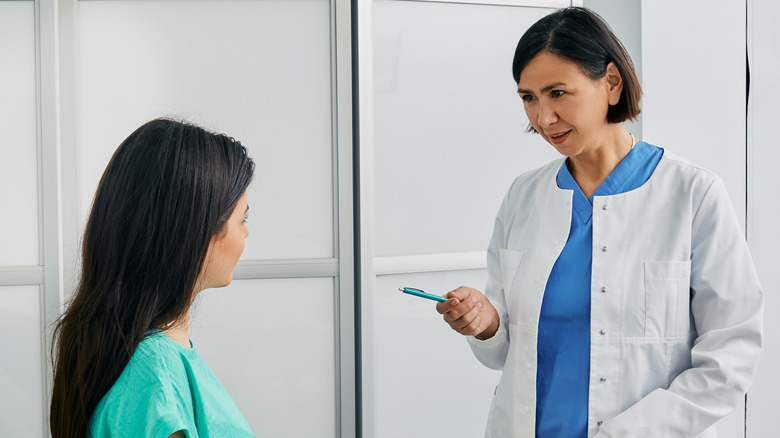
622	300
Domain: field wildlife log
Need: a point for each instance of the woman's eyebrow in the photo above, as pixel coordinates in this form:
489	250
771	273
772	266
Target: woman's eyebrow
544	90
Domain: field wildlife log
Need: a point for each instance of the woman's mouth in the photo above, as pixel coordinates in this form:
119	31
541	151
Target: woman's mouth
559	138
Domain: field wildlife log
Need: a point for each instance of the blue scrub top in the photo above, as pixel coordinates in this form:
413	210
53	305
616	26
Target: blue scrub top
563	359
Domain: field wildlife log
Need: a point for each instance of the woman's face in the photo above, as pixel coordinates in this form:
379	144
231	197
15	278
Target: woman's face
225	249
568	108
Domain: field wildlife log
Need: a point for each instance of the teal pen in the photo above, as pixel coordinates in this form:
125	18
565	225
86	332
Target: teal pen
422	294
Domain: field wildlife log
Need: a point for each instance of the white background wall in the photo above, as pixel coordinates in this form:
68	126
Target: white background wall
447	142
102	68
762	230
694	79
440	130
21	352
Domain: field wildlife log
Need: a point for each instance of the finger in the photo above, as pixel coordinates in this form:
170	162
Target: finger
475	327
446	306
455	317
455	325
460	293
460	309
468	318
452	298
459	323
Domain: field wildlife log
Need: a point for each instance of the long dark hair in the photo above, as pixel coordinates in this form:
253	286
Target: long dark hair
168	189
583	37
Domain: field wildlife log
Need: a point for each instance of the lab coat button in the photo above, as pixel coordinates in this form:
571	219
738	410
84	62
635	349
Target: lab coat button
604	207
538	279
602	332
603	290
603	379
603	249
599	423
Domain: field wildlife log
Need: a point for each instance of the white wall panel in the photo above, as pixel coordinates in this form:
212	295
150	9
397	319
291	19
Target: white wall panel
259	71
625	19
271	344
694	81
763	208
694	84
448	123
427	381
21	361
18	148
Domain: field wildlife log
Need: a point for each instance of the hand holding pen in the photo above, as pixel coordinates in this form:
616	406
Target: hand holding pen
469	313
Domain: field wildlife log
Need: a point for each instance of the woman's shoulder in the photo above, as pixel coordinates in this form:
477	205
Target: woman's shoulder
684	176
540	173
158	362
152	392
683	166
158	346
533	179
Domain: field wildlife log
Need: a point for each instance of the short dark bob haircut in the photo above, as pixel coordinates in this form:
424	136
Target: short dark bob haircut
583	37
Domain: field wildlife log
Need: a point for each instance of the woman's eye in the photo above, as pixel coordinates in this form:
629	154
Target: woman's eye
246	218
527	98
557	93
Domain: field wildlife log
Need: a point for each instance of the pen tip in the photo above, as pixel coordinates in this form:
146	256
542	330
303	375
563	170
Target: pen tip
401	289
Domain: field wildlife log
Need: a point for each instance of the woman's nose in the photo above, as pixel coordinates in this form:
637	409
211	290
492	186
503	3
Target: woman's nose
547	115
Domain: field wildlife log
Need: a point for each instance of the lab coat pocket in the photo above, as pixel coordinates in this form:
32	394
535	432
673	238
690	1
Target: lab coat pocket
667	298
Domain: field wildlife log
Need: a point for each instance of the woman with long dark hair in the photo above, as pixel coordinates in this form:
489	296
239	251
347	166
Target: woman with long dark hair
168	221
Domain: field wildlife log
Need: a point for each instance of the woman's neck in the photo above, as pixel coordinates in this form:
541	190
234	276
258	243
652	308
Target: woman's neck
179	332
591	169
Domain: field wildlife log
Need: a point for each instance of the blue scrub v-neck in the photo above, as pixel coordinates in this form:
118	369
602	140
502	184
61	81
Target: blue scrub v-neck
563	350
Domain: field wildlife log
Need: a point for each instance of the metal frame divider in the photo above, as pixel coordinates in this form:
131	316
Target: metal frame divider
341	68
48	125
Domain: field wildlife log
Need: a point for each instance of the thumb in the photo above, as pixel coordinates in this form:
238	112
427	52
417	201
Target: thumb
453	299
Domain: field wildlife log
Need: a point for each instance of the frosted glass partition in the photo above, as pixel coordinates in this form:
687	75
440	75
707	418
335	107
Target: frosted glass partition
427	382
21	403
449	126
763	232
708	130
259	71
271	344
18	148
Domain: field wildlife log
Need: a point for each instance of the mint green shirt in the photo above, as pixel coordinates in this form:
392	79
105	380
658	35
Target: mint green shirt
165	388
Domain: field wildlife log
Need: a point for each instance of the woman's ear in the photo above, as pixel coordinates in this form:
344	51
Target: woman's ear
614	83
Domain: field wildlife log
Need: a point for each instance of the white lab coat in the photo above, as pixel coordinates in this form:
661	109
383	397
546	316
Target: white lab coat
676	306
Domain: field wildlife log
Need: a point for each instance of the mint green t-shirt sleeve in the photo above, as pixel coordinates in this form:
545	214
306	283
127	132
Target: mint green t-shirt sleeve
148	411
169	426
167	388
146	402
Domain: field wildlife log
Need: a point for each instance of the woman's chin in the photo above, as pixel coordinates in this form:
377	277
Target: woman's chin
218	284
226	282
